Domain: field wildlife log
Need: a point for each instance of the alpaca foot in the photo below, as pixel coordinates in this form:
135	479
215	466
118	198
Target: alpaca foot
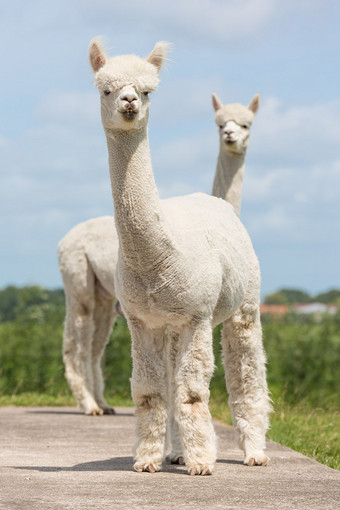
201	470
175	458
108	410
150	468
257	459
94	411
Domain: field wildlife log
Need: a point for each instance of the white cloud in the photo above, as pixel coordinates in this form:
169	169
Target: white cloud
214	20
273	222
293	205
55	174
70	109
184	152
260	185
186	164
184	101
296	134
325	183
4	143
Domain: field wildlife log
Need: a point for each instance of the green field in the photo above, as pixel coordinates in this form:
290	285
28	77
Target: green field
303	369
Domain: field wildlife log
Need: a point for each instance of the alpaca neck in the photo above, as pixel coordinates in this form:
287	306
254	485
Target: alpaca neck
136	202
229	178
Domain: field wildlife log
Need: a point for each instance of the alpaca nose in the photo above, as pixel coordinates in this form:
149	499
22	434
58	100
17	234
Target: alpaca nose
129	97
230	128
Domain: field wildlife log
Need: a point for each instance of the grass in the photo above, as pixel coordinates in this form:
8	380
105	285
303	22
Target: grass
312	431
35	399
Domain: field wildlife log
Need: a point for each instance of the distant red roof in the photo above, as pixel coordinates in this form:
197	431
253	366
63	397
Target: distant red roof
274	309
299	308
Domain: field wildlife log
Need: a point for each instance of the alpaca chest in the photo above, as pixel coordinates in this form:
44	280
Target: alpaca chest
179	292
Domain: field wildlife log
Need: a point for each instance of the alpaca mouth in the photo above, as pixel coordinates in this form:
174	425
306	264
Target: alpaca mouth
129	114
229	139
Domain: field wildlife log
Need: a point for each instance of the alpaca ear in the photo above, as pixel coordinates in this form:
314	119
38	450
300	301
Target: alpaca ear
96	54
254	103
158	54
217	104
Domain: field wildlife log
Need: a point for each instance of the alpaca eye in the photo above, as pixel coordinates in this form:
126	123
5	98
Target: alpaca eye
221	127
107	92
146	93
245	126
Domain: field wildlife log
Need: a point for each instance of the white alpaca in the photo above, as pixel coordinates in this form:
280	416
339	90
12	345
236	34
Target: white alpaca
234	121
88	257
87	265
185	265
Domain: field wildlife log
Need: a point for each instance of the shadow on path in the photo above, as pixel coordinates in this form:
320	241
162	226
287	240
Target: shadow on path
80	413
113	464
226	461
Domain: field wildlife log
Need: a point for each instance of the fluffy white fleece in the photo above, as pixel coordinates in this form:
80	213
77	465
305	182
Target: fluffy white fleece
184	265
87	266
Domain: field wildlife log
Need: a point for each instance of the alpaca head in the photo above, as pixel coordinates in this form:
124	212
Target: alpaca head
234	121
124	83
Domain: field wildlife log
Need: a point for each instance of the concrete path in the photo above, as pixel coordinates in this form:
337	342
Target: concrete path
57	458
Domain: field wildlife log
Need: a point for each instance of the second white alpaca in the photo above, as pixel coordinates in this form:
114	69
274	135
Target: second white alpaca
88	257
234	121
185	265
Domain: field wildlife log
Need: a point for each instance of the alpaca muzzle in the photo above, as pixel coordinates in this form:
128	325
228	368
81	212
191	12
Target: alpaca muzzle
129	111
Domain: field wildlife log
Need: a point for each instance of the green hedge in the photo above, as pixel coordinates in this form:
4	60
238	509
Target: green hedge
303	354
303	359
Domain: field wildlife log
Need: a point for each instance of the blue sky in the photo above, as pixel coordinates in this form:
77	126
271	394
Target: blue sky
53	159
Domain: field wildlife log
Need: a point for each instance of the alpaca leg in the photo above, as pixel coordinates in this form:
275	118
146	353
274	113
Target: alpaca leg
104	318
176	454
149	393
244	362
195	365
77	352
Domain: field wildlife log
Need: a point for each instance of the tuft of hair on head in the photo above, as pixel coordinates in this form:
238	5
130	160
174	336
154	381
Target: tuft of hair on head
254	104
159	54
216	102
97	54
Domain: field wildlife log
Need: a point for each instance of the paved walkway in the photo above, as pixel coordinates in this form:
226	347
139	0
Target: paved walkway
57	458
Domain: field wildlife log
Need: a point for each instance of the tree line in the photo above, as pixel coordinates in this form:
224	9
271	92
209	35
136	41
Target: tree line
37	303
294	296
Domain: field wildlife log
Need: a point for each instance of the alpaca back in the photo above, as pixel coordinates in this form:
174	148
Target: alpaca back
90	246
